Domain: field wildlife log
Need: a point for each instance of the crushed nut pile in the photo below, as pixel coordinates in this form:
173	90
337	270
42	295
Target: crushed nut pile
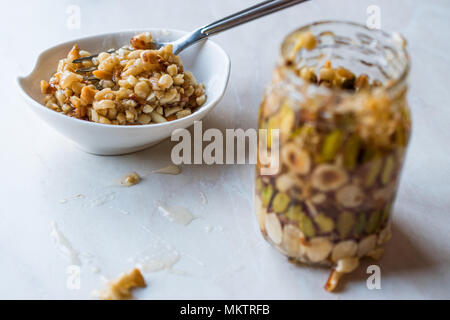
341	154
131	86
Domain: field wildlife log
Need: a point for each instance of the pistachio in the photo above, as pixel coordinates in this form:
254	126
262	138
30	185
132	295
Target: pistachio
344	249
272	124
369	153
296	133
331	145
295	159
386	212
266	195
324	223
273	228
294	213
280	202
306	225
347	265
366	245
258	185
327	177
287	118
360	224
318	249
345	224
400	136
350	196
351	151
304	132
374	222
374	170
291	241
388	170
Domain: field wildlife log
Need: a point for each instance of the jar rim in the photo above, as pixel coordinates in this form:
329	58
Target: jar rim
396	82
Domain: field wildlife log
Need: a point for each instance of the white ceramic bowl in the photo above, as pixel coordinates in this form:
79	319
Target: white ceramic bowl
208	62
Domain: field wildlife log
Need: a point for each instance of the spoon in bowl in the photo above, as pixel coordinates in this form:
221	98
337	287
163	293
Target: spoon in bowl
257	11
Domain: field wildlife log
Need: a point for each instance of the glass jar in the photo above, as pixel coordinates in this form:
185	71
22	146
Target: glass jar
341	148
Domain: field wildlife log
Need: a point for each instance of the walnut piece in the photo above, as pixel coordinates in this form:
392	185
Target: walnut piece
120	288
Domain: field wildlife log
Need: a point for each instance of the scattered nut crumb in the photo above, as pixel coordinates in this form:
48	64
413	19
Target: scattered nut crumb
130	179
120	288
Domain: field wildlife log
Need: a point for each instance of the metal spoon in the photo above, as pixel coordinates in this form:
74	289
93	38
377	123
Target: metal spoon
257	11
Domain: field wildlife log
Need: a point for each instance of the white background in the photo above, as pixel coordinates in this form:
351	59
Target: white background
38	167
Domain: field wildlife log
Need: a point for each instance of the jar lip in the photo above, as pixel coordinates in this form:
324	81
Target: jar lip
388	35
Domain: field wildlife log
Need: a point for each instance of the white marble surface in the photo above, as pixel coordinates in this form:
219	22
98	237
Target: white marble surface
39	168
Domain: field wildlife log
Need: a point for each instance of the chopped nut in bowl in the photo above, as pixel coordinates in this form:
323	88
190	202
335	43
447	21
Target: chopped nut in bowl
129	99
129	86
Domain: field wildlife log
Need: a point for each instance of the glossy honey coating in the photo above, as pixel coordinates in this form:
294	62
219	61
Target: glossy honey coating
342	145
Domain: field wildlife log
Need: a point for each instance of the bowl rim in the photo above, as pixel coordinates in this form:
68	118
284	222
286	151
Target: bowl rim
208	106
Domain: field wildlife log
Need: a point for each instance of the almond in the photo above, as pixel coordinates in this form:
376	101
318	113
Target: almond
273	228
344	249
291	241
318	249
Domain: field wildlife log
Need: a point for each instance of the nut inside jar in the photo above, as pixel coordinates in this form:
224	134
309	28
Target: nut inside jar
343	137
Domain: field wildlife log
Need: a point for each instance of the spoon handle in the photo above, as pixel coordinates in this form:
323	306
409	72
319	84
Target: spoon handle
257	11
